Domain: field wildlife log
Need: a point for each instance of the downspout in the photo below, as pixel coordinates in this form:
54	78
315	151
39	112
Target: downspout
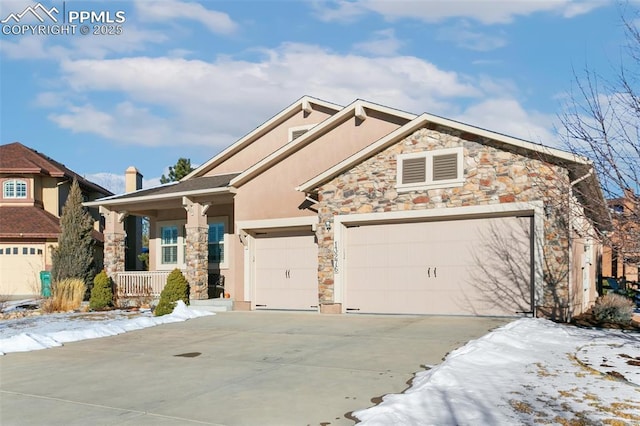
570	240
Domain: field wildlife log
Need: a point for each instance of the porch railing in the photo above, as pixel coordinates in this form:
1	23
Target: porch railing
141	283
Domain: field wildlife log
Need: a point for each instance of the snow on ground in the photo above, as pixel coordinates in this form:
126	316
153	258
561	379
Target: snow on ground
40	332
531	371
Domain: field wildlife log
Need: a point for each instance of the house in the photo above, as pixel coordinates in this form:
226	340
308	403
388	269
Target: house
34	190
621	256
366	208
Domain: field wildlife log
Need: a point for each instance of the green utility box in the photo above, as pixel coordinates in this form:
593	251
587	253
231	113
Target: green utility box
45	283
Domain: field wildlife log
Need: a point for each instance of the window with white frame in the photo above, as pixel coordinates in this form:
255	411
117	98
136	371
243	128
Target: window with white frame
169	244
173	244
14	188
430	169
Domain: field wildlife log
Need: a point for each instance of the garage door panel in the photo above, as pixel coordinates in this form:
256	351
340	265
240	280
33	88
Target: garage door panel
469	266
286	272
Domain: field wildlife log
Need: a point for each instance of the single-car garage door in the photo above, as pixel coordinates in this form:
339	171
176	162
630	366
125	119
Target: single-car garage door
455	267
286	271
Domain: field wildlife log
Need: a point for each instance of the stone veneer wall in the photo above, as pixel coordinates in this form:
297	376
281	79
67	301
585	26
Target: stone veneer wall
197	251
492	176
114	252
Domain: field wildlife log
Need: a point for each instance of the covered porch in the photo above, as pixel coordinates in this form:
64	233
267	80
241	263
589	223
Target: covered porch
189	227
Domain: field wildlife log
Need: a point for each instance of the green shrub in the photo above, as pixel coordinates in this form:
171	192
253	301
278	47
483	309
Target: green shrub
614	308
177	288
101	293
66	295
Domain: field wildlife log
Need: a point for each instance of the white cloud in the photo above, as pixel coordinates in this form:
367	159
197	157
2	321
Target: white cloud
85	119
172	10
484	11
462	35
383	43
214	103
35	47
507	116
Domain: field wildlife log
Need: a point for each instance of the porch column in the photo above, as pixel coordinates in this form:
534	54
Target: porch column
197	248
114	241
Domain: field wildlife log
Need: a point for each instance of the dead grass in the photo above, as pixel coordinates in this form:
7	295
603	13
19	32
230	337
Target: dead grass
66	295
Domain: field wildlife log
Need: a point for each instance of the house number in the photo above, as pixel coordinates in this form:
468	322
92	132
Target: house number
335	257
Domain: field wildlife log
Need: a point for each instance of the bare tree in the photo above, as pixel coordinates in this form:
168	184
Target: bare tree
602	122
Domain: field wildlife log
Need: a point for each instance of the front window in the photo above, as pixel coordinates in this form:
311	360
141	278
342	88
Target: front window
169	244
14	189
216	242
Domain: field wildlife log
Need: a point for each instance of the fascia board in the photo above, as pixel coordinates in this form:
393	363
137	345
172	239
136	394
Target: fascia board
325	126
521	143
174	195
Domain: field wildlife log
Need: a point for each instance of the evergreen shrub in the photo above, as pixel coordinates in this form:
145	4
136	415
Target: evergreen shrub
177	288
101	293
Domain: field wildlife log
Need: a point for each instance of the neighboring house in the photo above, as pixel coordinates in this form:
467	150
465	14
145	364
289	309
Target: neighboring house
34	190
621	257
370	209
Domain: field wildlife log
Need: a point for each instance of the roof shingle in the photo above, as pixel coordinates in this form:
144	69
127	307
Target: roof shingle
28	222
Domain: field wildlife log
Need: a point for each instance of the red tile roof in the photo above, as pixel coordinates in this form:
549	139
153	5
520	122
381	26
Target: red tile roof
28	222
17	158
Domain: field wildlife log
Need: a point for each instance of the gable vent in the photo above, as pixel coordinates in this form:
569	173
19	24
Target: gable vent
445	167
414	170
297	133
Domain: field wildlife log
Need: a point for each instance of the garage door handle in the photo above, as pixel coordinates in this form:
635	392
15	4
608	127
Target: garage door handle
429	272
434	273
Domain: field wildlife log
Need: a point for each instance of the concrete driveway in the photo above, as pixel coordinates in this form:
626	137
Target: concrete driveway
235	368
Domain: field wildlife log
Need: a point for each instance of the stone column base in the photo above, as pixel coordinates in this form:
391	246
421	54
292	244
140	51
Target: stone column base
241	305
331	308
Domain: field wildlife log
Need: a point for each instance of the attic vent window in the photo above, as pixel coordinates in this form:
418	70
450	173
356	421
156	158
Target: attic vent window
430	169
296	132
414	170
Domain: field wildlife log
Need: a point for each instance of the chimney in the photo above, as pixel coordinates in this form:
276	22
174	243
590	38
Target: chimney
132	180
133	224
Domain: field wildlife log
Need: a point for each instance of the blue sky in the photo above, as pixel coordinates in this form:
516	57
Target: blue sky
188	78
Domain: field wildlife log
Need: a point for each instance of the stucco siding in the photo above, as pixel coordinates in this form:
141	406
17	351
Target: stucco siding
272	194
268	143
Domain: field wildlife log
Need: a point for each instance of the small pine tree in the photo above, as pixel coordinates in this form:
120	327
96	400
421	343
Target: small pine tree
73	258
101	293
177	288
177	172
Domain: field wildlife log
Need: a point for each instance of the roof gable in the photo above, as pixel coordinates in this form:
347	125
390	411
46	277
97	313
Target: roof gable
422	121
306	104
358	109
16	158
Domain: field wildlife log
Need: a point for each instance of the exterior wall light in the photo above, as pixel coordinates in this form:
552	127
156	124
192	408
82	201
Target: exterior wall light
548	209
327	225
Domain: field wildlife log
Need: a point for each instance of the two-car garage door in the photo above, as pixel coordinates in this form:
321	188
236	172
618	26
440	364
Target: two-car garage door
461	267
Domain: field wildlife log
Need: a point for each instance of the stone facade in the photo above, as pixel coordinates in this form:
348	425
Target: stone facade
197	250
114	253
492	174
